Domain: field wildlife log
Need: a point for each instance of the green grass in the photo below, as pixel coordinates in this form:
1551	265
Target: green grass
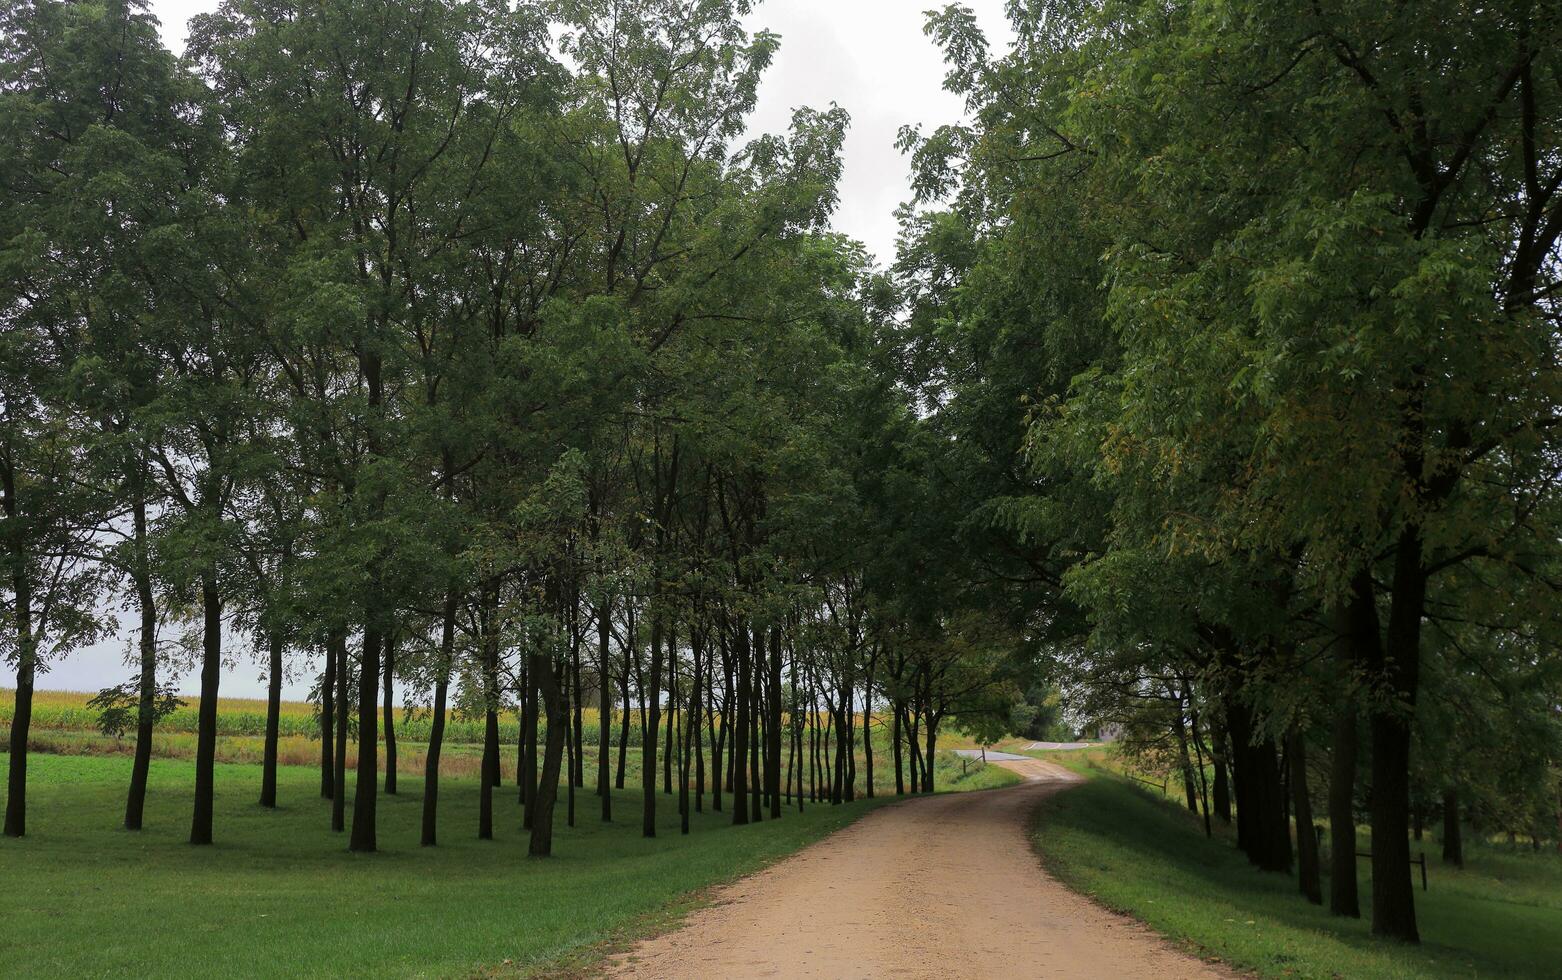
280	896
1501	916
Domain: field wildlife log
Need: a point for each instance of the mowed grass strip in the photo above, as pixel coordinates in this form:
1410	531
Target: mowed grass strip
1500	916
279	895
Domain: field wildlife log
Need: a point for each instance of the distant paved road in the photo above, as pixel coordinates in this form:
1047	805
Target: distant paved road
938	886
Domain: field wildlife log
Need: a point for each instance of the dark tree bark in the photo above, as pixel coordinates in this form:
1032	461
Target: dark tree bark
867	727
135	800
577	708
738	783
1307	870
653	698
696	706
1343	890
668	749
1393	894
26	669
389	715
1453	837
896	710
930	760
604	709
268	768
1189	790
773	770
436	735
1222	790
529	729
756	681
343	701
328	723
366	791
206	724
1263	830
623	731
489	774
543	678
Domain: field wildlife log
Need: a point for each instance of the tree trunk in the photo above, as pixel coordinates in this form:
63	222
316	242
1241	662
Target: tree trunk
529	729
268	766
328	723
1453	838
668	749
366	790
1343	894
577	708
1393	895
867	731
389	715
756	682
542	677
339	770
740	726
1307	870
135	800
436	735
773	769
22	715
930	760
206	724
604	709
1189	790
1222	782
1263	830
623	731
653	699
895	751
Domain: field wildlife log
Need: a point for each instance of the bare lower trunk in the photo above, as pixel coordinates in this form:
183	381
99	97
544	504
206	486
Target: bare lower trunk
1453	839
328	723
1393	896
343	702
21	724
268	767
389	715
365	796
436	736
135	800
541	811
604	710
773	732
1307	870
653	700
1343	891
206	725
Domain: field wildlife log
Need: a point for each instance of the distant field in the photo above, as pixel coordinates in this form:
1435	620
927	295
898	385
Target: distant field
64	725
68	711
1148	856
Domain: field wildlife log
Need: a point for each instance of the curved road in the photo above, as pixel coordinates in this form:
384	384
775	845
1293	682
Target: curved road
943	886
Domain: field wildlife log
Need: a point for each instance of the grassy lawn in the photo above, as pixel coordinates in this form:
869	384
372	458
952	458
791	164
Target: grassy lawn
280	896
1500	916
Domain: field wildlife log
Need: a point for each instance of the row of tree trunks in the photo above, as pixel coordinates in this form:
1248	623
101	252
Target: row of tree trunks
1263	826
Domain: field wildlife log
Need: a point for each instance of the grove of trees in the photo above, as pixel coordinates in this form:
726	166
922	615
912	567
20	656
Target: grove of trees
473	353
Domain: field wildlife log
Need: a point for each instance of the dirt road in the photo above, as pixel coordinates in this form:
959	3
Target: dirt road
944	886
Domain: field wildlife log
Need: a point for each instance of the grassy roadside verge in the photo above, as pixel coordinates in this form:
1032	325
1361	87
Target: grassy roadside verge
1501	916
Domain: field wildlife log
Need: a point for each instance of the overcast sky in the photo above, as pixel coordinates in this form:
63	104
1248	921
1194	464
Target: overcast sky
869	56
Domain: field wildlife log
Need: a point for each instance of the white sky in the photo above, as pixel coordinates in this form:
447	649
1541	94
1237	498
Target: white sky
869	56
